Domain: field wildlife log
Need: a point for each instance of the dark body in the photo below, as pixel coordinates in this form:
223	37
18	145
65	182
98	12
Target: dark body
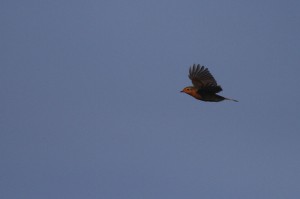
205	86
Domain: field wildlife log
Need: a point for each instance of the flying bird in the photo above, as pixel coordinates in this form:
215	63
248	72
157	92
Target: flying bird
204	86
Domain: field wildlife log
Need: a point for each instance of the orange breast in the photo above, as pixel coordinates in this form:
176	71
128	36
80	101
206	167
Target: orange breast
196	95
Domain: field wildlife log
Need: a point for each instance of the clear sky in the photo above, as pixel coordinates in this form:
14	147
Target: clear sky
91	108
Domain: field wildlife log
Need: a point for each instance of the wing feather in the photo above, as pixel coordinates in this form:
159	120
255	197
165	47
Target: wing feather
203	79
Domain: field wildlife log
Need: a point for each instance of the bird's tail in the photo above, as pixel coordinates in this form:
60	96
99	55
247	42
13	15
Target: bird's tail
231	99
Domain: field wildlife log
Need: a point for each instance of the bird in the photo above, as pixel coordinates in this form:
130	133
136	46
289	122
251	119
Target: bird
204	86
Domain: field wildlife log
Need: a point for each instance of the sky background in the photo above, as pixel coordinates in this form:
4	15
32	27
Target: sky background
90	102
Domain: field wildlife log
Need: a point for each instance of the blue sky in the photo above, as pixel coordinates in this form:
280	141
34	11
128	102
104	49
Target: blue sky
90	102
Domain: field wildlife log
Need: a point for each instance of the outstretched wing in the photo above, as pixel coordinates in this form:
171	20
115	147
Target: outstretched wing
203	79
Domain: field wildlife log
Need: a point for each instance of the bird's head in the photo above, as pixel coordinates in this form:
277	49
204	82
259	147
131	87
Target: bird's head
189	90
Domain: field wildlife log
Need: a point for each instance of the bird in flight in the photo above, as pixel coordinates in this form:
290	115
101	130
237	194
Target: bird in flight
204	86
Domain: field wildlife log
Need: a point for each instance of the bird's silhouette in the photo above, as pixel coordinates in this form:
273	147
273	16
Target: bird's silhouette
204	86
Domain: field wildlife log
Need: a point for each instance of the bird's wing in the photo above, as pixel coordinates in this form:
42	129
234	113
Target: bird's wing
203	79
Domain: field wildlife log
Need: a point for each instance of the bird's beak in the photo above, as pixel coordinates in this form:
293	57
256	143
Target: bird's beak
181	91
